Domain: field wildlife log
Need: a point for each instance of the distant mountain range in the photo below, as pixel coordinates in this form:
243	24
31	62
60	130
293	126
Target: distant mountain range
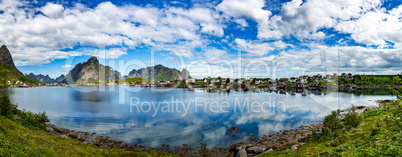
160	73
90	72
46	79
87	72
8	71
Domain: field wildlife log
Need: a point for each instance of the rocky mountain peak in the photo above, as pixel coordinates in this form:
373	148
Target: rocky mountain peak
5	57
93	60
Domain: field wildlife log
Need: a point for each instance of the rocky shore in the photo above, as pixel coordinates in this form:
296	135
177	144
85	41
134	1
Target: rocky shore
292	138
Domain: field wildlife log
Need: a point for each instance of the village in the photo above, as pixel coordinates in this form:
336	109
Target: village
222	84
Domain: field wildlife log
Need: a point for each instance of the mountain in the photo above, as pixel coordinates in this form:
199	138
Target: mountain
60	78
45	79
90	72
8	71
41	78
161	73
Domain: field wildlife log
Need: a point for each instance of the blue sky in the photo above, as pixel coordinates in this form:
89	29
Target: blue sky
229	38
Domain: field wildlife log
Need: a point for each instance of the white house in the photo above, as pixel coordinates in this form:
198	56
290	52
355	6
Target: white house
191	80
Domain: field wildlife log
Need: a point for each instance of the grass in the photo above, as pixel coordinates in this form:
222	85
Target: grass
25	136
379	134
136	79
13	75
17	140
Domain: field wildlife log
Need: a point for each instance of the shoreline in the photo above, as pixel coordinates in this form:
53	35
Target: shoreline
290	138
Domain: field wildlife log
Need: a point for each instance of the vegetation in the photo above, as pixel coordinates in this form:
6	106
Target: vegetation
136	79
23	134
372	80
376	132
13	75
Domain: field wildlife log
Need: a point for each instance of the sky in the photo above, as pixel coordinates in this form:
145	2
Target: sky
227	38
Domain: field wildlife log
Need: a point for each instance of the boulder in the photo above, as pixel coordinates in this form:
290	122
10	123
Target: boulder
335	143
295	147
256	149
270	149
241	153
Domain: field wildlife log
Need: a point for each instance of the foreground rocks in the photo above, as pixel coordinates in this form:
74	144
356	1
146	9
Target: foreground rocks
100	141
293	139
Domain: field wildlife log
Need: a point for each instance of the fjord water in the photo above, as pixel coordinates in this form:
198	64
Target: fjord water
156	116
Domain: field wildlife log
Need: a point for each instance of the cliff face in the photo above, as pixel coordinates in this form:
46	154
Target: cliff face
8	72
160	73
5	57
91	71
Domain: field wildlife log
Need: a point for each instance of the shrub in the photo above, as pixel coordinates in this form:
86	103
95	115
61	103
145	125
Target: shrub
332	121
204	150
397	92
7	109
352	118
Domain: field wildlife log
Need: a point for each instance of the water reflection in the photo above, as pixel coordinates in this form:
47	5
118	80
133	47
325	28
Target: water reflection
100	112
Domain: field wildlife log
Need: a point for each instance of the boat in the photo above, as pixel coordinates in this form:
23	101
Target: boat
23	86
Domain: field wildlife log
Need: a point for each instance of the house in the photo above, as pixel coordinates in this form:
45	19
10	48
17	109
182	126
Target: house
349	76
292	79
299	85
190	81
318	77
283	79
258	81
205	80
314	85
214	80
283	85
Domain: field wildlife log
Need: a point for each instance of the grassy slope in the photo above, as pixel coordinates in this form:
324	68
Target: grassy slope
136	79
13	74
379	134
17	140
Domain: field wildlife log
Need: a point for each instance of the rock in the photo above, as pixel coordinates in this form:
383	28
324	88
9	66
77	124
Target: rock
270	149
72	136
335	143
295	147
49	129
241	153
17	118
255	150
5	57
377	144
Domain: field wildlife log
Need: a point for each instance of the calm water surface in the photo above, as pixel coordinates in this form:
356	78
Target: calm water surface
156	116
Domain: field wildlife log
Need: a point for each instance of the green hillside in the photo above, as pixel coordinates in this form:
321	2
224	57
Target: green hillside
136	79
376	132
13	75
25	136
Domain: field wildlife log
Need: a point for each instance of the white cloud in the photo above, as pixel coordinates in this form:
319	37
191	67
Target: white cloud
105	25
67	66
376	28
52	10
258	48
246	9
303	19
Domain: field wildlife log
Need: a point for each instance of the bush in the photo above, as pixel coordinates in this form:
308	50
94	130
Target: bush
397	92
352	118
32	120
332	121
7	109
204	150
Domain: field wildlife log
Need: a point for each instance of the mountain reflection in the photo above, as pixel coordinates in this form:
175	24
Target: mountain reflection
100	112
